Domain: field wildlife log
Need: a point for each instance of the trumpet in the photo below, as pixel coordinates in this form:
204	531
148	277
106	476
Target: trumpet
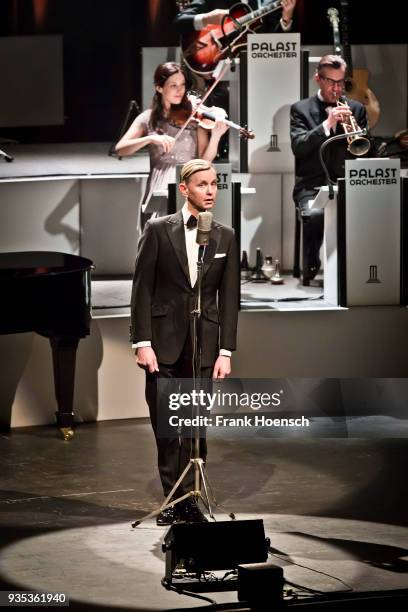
357	145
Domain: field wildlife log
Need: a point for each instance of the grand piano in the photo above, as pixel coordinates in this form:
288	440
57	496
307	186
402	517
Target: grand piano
49	293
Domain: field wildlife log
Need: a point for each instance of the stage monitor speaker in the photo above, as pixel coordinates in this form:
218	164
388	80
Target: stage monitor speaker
199	547
261	584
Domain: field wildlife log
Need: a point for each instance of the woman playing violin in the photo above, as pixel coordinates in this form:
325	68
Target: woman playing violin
157	128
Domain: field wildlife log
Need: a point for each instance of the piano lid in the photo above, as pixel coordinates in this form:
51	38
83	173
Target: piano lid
25	264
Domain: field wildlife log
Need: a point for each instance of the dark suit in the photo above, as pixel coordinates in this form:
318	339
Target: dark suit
161	306
184	19
307	135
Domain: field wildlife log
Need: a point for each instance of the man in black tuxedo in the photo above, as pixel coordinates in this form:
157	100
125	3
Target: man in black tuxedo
163	298
200	13
312	121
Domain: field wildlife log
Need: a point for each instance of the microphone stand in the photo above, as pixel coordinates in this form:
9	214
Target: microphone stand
330	181
196	462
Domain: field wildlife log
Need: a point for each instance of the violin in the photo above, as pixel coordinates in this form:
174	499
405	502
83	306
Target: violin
205	117
178	116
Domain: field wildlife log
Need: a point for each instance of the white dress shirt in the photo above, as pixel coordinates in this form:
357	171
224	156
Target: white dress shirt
191	246
326	128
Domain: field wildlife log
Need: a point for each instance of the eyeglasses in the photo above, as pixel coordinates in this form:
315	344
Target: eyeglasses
332	82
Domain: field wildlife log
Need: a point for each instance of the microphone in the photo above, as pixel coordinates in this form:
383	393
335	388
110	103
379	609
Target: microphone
329	181
204	225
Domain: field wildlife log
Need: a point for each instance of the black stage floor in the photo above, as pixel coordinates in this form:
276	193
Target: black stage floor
335	511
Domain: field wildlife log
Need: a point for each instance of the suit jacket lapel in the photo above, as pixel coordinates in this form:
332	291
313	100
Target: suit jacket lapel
315	110
175	231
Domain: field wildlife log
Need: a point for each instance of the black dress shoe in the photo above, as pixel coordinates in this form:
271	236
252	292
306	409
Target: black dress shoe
309	276
309	273
167	516
191	513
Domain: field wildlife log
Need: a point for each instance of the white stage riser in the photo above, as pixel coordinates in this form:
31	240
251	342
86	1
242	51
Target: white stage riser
362	342
97	218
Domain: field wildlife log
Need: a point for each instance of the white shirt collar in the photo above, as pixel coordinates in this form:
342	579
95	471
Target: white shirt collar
185	212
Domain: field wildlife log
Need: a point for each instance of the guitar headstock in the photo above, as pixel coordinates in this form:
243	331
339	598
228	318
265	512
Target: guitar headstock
333	15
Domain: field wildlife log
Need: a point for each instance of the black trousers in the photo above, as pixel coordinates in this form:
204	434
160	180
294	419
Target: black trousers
313	225
173	454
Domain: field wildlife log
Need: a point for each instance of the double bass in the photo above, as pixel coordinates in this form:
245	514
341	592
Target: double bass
356	79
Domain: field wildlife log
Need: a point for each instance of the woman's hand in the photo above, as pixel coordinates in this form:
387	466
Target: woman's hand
220	127
167	142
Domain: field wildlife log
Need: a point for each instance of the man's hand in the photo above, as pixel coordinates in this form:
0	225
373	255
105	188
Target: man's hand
336	114
214	17
222	367
288	6
146	359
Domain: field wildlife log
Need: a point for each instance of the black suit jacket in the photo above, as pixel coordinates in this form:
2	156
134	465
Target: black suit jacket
307	135
162	296
183	21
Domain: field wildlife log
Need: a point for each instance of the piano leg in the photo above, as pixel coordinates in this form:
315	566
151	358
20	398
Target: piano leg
64	356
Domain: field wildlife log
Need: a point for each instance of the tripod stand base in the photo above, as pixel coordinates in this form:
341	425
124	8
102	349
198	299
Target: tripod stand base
208	498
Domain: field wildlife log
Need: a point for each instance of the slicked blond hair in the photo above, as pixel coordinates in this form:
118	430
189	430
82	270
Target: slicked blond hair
193	166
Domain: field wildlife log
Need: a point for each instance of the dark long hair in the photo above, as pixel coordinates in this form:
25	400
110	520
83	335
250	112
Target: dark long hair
161	74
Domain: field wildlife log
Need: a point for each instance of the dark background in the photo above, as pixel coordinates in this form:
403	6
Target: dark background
102	41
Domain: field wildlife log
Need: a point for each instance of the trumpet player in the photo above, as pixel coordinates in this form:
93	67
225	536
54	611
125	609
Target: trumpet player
312	121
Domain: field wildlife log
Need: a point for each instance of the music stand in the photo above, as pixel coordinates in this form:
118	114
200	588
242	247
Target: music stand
5	156
133	108
196	462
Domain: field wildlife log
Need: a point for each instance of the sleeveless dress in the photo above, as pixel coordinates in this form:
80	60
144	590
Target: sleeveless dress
163	166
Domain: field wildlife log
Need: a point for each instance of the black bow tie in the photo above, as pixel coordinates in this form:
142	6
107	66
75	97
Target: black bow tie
324	104
191	222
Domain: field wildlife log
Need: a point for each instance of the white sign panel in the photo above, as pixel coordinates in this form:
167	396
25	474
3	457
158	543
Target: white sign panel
273	85
373	228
